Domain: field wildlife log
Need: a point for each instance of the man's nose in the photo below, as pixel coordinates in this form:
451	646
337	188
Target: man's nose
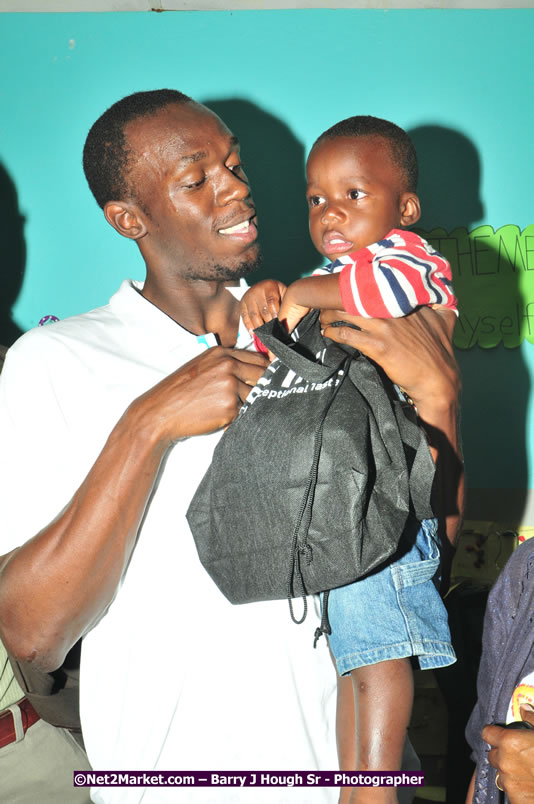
232	187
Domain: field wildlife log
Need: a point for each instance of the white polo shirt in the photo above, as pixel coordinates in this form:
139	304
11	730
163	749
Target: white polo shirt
173	676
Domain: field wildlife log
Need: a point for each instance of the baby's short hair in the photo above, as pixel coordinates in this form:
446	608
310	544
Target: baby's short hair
402	148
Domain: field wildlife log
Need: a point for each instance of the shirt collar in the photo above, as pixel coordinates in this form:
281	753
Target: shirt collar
131	307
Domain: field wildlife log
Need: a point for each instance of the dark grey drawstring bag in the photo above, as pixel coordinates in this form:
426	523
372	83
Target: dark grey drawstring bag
311	486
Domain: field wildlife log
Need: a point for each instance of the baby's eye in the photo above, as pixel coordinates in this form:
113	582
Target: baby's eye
315	200
355	195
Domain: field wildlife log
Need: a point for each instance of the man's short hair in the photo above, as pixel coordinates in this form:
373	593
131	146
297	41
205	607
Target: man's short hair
402	148
106	154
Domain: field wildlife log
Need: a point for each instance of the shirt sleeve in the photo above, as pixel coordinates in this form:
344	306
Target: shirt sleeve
394	276
34	464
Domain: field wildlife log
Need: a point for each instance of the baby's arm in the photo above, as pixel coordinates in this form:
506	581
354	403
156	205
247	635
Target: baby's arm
392	278
268	299
312	292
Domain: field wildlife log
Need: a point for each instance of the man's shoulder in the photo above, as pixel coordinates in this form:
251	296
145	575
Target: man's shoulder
91	328
83	327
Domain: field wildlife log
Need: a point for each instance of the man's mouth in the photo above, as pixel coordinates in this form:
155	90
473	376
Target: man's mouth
244	231
238	228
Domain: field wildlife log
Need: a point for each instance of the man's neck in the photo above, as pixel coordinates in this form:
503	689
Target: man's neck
199	306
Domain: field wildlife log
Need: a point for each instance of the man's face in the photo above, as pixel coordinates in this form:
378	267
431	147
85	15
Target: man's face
188	179
355	194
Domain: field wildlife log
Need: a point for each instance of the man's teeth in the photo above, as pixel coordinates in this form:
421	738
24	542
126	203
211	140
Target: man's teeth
239	228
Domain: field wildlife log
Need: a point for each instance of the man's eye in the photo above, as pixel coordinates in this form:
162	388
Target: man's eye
315	200
194	184
355	195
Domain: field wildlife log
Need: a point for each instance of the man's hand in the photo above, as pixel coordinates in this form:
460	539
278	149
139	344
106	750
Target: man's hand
512	754
415	351
261	303
202	396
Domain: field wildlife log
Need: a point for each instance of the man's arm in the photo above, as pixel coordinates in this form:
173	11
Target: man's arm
57	585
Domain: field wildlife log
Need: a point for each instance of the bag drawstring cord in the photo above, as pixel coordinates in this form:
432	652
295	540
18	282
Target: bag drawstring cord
295	571
324	628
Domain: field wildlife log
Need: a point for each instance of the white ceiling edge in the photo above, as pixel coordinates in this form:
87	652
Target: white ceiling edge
244	5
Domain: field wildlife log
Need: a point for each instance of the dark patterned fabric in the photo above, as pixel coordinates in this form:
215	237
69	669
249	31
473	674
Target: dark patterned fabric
507	657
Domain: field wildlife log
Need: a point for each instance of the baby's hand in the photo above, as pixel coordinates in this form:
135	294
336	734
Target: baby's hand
290	313
261	303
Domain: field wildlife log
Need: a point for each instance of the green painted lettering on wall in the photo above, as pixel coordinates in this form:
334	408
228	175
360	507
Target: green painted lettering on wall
493	276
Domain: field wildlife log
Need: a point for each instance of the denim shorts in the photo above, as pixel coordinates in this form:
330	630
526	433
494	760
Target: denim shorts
396	611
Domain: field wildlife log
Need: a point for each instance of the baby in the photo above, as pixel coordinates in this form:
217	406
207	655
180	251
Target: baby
361	190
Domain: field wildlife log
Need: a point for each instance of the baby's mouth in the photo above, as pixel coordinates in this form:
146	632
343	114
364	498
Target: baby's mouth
335	243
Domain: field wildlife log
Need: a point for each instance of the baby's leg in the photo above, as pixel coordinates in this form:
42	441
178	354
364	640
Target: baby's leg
383	698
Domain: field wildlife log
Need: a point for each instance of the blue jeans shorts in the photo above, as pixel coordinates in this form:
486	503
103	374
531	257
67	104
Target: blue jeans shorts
395	612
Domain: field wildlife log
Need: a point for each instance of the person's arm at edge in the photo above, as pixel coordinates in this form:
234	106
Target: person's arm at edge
56	586
511	754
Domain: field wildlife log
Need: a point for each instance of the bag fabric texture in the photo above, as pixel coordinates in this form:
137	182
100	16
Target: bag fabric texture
311	486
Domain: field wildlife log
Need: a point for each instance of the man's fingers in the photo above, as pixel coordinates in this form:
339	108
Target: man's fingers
247	356
329	316
492	734
249	366
359	339
527	713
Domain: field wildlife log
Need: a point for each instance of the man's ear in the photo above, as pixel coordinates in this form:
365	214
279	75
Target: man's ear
126	219
410	209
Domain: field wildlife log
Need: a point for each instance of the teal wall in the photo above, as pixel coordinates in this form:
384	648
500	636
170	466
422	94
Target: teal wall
460	81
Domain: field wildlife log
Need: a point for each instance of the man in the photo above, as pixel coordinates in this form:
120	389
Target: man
131	403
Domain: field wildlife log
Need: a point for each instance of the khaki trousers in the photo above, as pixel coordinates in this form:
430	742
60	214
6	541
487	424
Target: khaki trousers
38	768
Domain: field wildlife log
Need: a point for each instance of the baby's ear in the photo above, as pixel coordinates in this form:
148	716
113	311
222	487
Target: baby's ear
410	209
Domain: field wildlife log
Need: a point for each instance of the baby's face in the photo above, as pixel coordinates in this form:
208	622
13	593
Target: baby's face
355	194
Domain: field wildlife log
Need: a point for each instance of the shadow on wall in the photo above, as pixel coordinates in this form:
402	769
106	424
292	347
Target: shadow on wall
496	383
274	163
13	256
494	404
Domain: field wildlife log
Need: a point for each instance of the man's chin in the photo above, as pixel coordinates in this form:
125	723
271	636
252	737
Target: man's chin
229	272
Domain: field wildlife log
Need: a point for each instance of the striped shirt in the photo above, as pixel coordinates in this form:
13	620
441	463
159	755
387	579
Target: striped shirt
392	277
